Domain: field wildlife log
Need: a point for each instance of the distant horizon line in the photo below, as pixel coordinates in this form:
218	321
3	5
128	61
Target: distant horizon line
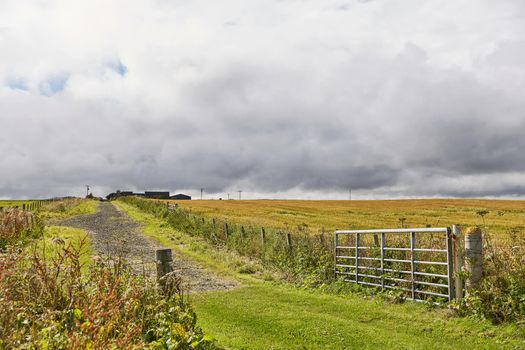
488	198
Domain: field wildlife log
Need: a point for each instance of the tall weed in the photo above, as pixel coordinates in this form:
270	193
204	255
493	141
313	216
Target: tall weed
48	304
17	226
500	296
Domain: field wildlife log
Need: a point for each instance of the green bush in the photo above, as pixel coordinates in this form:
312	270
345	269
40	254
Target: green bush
500	296
50	305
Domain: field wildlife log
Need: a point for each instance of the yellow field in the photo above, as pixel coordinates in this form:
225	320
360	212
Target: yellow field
502	216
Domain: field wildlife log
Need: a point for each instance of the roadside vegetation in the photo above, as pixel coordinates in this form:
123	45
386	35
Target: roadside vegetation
299	258
265	313
500	296
53	296
54	240
18	226
56	210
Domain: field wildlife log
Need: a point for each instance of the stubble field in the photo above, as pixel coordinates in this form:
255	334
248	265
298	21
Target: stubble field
496	216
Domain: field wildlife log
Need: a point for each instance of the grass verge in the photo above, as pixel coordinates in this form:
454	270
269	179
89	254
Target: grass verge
55	237
222	262
66	208
269	316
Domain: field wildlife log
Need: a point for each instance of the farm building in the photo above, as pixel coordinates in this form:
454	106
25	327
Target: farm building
147	194
181	196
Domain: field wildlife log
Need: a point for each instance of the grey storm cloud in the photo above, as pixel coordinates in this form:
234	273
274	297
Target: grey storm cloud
296	99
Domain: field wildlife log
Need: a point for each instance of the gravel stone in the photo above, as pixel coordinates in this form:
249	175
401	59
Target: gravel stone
115	236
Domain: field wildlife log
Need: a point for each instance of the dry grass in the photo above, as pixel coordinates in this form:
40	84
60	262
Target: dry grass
49	304
17	225
502	214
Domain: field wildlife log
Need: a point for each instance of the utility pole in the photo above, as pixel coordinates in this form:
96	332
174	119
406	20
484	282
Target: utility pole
240	191
228	196
202	190
87	190
350	193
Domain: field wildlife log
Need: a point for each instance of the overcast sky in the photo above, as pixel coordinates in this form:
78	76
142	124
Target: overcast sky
279	98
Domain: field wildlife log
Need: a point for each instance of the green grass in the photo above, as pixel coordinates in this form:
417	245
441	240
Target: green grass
269	316
263	315
197	249
78	238
68	208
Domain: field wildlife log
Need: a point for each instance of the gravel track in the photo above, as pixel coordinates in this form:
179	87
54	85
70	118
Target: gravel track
115	235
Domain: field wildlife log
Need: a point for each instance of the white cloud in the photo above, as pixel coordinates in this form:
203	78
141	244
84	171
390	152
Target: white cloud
279	97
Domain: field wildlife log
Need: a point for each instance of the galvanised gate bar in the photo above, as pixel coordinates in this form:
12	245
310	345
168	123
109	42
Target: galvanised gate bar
416	261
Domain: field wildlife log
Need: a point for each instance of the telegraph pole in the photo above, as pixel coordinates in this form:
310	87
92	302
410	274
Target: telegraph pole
350	194
240	191
202	190
228	196
87	190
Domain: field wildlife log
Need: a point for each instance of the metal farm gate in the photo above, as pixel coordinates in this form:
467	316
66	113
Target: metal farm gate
417	262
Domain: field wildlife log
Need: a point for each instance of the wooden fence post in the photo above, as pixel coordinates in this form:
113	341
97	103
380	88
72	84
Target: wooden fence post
458	262
263	236
242	232
164	261
226	229
289	241
473	256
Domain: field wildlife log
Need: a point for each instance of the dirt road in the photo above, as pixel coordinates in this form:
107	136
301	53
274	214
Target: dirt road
115	235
